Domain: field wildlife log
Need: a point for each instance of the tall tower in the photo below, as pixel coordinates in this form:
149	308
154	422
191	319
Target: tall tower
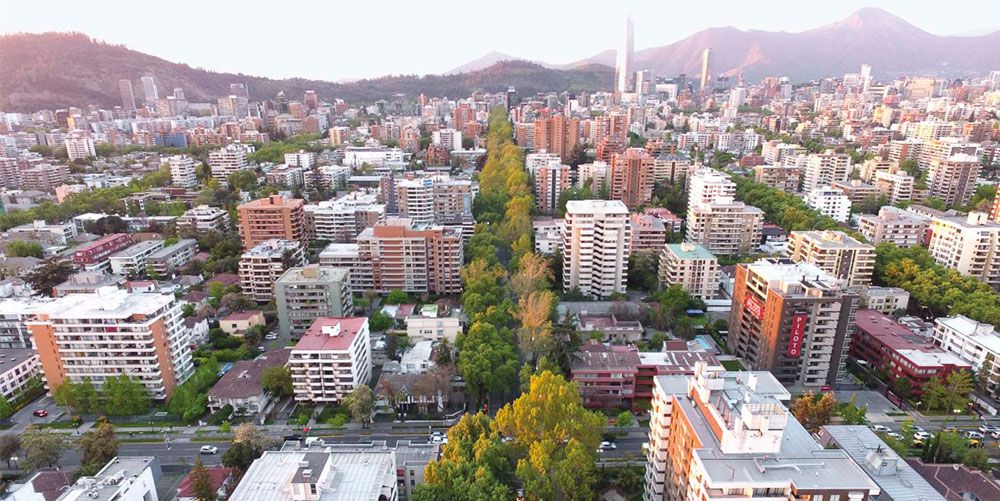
128	97
149	90
706	70
623	68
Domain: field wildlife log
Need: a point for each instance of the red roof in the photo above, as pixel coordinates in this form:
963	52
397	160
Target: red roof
889	332
320	334
217	473
243	315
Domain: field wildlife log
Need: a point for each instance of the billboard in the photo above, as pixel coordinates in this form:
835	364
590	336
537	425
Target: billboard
754	306
798	332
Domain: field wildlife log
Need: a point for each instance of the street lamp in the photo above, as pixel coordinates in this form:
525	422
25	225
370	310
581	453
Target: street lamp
14	459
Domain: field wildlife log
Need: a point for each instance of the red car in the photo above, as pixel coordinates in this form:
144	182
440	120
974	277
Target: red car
41	412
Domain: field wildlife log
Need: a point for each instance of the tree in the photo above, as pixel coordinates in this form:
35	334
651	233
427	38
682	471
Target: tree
473	465
361	404
6	409
379	322
22	248
248	433
243	180
814	411
98	446
443	355
958	384
201	482
278	381
935	394
125	396
49	274
624	419
977	458
81	397
9	445
852	414
487	360
240	456
41	447
397	296
901	387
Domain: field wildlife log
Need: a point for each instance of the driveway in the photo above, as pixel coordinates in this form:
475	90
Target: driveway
875	401
24	417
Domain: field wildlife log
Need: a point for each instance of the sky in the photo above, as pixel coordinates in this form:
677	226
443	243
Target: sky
340	40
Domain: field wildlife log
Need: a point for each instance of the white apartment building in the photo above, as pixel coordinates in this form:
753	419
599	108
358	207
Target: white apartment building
969	244
132	261
322	475
905	229
304	159
110	333
303	294
226	161
884	299
596	237
124	478
834	252
375	156
725	227
974	342
79	147
263	264
707	185
598	173
349	256
341	220
167	260
895	186
332	358
830	202
692	267
182	172
532	161
449	139
13	313
550	182
775	152
823	169
18	366
202	219
720	435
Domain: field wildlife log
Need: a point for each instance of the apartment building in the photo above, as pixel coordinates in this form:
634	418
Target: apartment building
830	202
669	169
780	177
113	332
124	478
341	220
692	267
79	147
94	255
13	313
886	300
274	217
226	161
792	319
632	177
557	134
855	190
164	262
721	435
775	152
969	244
834	252
132	261
649	234
869	169
597	173
953	179
332	358
435	200
321	475
348	256
973	342
303	294
596	240
707	185
264	263
397	256
893	225
533	161
895	186
203	219
725	227
823	169
18	367
44	177
182	171
550	182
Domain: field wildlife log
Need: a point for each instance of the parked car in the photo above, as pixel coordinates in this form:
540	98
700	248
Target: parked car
209	449
895	435
607	446
271	336
41	412
975	443
995	435
922	435
974	435
881	428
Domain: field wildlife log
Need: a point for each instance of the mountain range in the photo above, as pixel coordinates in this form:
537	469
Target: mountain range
55	70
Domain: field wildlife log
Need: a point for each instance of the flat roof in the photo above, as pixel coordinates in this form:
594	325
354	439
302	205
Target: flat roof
138	248
12	357
690	251
352	475
106	303
894	476
331	333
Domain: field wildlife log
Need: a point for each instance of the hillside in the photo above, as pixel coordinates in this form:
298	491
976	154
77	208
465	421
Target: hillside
56	70
869	36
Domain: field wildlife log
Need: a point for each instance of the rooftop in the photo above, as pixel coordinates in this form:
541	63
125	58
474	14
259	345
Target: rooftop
272	247
332	333
315	273
111	481
106	303
139	248
690	251
243	380
172	249
273	201
832	240
984	334
339	476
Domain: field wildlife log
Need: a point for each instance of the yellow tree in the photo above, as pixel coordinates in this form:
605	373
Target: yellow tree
535	312
533	274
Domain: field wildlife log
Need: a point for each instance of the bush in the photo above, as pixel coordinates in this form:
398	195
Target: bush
221	416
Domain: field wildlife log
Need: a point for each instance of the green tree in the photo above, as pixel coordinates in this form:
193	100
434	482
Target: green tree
379	322
474	464
243	180
978	459
397	296
240	456
42	448
6	409
360	402
624	419
98	446
125	396
22	248
49	274
201	482
487	360
278	381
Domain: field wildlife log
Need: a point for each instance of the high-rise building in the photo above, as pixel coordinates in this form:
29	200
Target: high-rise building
395	255
202	219
128	97
786	178
225	161
725	227
898	226
623	67
435	200
332	358
79	147
182	171
311	100
271	217
953	179
975	342
834	252
706	185
341	220
821	169
595	247
969	244
304	294
706	70
632	177
830	202
649	233
550	181
692	267
721	435
262	265
792	319
557	134
895	186
113	333
149	91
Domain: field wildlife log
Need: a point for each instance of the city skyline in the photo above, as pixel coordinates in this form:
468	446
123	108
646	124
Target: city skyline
210	50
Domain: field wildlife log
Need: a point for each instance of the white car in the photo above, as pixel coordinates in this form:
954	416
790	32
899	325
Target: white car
881	428
974	434
995	435
607	446
209	449
271	336
895	435
922	436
